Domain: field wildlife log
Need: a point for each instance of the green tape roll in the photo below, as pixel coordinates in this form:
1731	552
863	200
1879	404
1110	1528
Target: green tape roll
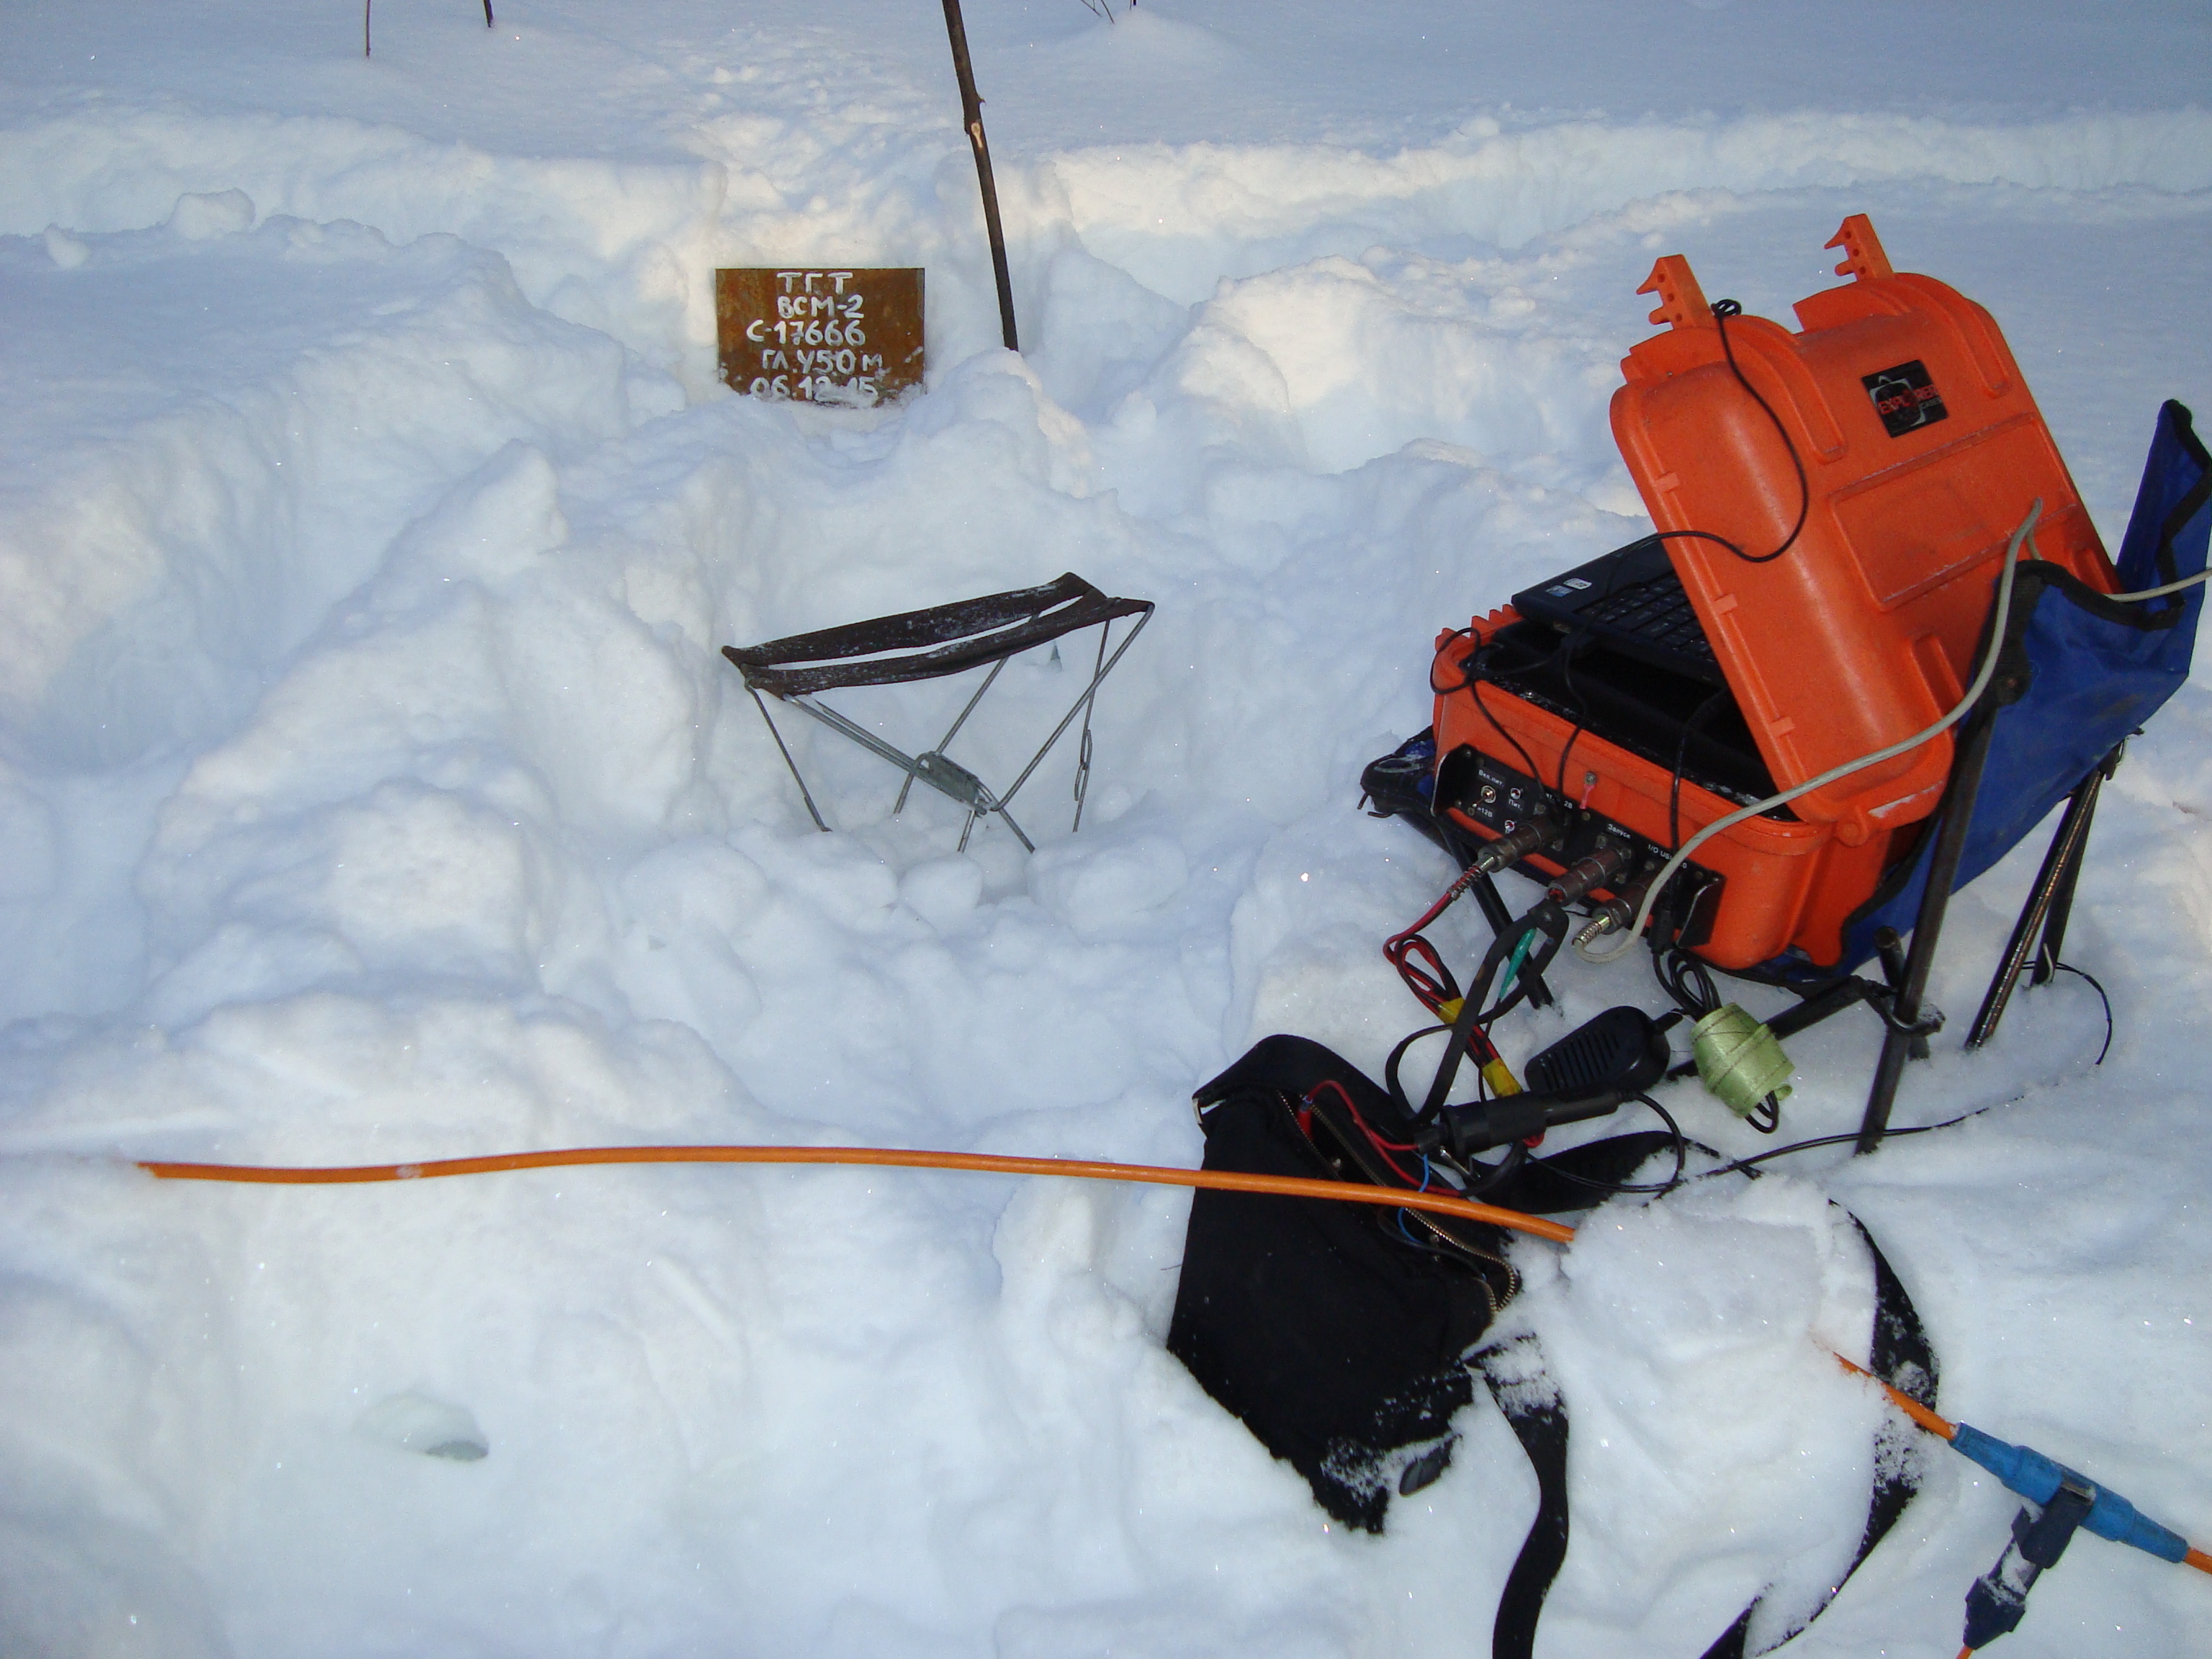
1739	1059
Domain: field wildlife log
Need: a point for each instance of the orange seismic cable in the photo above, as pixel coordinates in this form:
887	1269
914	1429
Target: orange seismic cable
995	1164
982	1163
1906	1403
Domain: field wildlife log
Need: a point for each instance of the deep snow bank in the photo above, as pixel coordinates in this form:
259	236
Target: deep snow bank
628	245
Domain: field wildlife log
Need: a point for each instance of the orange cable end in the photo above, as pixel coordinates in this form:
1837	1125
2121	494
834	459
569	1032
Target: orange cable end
2198	1560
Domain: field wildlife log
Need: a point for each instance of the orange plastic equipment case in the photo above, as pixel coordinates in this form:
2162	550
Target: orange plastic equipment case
1921	451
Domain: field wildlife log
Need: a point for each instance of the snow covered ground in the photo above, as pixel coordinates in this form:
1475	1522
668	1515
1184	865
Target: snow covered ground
372	787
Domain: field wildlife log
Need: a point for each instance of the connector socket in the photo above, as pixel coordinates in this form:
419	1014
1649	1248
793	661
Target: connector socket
1514	845
1594	870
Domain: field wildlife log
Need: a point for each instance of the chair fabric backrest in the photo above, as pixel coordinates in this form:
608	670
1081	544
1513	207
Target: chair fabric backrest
2095	672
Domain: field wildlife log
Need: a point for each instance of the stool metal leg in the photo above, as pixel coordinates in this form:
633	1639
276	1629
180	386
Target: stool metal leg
805	794
1082	707
951	732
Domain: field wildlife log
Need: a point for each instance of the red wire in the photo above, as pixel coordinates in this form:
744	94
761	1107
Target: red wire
1465	880
1432	989
1433	984
1383	1146
1400	942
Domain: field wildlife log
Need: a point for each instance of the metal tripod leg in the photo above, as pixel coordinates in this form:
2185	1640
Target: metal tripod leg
1902	1026
1891	949
2062	867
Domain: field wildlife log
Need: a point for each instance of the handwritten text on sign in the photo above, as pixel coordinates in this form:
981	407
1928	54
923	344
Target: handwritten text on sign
828	336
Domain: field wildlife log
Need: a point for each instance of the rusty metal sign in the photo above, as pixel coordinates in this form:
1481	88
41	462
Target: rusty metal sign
826	337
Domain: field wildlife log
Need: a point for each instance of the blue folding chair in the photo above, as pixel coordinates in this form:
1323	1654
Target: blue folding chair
2078	675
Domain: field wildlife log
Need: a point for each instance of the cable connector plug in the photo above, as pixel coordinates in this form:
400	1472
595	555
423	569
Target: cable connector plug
1611	915
1999	1596
1514	845
1597	869
2039	1479
1608	1060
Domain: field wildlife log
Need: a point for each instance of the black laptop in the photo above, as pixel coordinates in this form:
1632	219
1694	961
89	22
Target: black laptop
1631	600
1614	646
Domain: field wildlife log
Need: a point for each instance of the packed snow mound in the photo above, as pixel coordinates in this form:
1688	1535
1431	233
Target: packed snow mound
1667	1318
372	789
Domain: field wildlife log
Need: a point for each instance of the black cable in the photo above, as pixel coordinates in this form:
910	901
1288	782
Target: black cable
1722	310
1467	663
2068	968
1545	919
1573	736
1681	1162
1390	1065
1837	1140
1924	1128
1582	720
1488	1177
1473	685
1684	979
1831	1141
1681	759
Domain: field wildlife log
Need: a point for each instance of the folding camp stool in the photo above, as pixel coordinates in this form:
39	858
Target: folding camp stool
931	644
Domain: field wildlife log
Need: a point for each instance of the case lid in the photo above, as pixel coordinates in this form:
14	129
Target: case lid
1921	451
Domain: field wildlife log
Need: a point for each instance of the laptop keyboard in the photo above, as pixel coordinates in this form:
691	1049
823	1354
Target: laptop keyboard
1656	610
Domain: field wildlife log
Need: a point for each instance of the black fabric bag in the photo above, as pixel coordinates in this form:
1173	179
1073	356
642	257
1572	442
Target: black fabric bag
1347	1335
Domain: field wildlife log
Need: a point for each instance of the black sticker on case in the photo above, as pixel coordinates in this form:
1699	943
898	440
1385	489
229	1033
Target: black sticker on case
1905	397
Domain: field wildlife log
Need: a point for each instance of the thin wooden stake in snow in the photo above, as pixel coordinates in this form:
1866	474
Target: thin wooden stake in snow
971	115
365	5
